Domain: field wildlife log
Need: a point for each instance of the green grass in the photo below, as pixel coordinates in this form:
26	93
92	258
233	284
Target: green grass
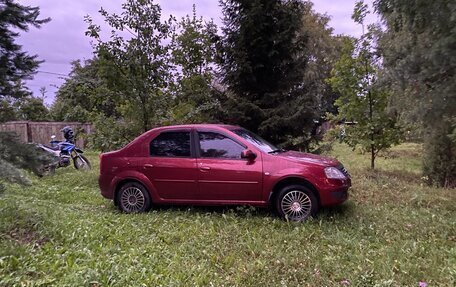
393	231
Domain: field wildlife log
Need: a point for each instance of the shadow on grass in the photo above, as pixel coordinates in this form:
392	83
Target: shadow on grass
339	212
233	210
402	153
401	175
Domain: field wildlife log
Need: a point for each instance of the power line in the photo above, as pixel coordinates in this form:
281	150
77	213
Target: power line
52	73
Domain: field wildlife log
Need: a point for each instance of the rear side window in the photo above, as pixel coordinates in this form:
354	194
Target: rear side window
171	144
215	145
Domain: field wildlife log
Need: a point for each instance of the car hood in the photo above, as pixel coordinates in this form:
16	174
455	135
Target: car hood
302	157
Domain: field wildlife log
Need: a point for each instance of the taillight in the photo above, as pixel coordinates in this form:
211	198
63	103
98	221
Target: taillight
101	162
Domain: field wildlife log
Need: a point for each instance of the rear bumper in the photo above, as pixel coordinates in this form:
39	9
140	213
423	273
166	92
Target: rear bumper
106	187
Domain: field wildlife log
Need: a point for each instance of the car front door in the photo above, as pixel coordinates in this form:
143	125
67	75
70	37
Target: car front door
222	173
171	166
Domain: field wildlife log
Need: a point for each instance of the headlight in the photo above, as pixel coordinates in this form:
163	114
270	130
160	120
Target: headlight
334	173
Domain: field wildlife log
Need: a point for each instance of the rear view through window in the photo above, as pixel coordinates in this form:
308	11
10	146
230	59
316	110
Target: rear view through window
171	144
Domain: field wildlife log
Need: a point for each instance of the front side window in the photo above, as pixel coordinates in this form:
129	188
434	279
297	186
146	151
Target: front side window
215	145
171	144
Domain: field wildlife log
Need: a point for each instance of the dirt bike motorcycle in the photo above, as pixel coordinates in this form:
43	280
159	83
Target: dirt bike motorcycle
64	152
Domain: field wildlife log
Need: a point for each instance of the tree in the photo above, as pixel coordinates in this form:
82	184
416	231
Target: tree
85	93
419	54
7	110
43	92
86	96
193	53
136	66
363	99
263	59
32	109
323	49
16	66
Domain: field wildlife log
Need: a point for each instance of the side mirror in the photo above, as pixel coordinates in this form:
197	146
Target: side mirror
248	154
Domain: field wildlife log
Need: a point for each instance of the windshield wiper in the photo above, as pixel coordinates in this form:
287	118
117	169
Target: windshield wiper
276	151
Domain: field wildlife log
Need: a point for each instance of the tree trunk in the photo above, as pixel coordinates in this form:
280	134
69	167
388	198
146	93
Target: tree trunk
372	136
372	156
145	118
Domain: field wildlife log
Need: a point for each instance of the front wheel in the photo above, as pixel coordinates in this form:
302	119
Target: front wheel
296	203
81	162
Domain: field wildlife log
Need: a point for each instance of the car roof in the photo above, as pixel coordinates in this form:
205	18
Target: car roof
198	126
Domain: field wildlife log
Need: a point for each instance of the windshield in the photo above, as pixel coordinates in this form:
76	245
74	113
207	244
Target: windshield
256	140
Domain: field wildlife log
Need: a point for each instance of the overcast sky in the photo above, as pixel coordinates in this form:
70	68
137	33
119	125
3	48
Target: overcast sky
63	40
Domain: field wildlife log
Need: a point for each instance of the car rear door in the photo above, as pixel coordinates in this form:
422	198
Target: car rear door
222	174
171	166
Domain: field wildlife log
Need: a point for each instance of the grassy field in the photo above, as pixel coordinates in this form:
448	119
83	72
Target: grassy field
393	231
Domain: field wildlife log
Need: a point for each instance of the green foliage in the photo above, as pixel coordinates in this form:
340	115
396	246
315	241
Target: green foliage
440	158
138	65
322	51
393	231
83	93
15	64
263	59
363	99
194	45
87	97
275	56
28	108
123	98
7	110
110	133
32	109
193	54
418	47
15	155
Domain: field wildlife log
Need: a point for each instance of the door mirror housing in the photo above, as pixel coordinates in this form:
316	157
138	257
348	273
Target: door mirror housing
248	154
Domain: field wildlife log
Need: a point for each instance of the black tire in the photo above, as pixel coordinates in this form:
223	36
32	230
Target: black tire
133	197
296	203
81	162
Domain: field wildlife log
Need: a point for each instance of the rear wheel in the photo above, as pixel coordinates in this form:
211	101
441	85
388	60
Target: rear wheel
296	203
133	197
81	162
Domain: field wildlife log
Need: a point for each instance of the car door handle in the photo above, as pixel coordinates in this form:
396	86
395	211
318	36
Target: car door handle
148	165
205	168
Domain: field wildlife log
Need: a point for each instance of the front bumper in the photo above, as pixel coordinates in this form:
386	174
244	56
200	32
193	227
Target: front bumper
339	195
335	192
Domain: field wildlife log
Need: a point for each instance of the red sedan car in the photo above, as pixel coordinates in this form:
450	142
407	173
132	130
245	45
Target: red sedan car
219	165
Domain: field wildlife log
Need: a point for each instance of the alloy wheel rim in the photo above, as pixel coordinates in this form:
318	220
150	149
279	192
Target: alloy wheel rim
132	199
296	205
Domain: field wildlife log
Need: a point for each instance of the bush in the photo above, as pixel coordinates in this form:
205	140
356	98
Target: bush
111	134
15	155
440	158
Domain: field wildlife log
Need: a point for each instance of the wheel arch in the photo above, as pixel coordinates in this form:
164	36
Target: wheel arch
121	182
292	180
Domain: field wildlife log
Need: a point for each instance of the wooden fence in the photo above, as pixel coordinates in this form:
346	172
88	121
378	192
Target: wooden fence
41	132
